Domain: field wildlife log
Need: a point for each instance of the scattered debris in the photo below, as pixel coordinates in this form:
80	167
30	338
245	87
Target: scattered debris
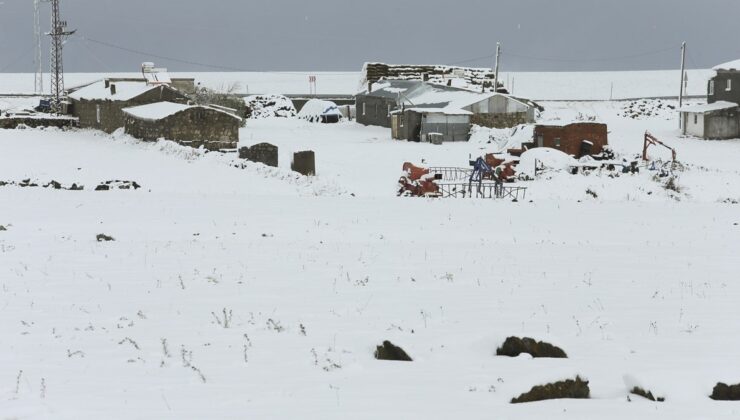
101	237
388	351
117	184
724	392
514	346
558	390
646	108
646	394
27	183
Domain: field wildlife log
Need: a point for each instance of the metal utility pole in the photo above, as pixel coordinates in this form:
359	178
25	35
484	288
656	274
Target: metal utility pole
495	71
38	81
681	92
58	34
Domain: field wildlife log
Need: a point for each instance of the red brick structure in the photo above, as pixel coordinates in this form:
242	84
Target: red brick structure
577	139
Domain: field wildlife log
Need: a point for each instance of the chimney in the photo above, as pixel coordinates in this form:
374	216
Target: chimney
107	83
369	87
425	77
112	89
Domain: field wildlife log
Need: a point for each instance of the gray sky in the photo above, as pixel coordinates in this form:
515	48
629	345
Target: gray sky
537	35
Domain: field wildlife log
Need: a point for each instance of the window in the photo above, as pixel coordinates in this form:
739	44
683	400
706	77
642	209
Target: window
557	141
97	113
364	108
729	85
696	119
389	110
711	88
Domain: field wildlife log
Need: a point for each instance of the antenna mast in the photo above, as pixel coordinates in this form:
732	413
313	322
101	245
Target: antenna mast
58	34
38	81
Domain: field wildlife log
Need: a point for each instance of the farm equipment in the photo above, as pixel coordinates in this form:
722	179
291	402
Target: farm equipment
485	179
650	140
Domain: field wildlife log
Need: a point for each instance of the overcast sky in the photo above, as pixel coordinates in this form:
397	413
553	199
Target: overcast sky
537	35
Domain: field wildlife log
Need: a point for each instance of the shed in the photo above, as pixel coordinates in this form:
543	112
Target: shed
189	125
100	105
424	124
576	139
718	120
317	110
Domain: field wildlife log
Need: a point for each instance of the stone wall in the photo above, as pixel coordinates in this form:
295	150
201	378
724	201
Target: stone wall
194	127
501	120
35	122
375	110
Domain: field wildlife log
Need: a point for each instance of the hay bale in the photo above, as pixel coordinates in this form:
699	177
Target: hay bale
645	394
577	389
514	346
724	392
101	237
388	351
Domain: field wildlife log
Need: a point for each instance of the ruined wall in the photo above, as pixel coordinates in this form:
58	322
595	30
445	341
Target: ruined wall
193	127
569	138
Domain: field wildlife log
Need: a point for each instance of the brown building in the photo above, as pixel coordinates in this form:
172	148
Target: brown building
189	125
577	139
100	104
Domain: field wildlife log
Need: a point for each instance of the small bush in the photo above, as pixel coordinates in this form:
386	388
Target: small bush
645	394
388	351
2	228
514	346
104	238
577	389
724	392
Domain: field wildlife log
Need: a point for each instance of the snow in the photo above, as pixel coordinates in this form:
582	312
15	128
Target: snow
156	111
313	273
551	159
124	91
704	108
445	111
729	66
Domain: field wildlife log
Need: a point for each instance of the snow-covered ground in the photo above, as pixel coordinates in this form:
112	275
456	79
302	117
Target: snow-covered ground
253	292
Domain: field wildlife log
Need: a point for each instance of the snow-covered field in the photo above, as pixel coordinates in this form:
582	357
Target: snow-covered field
257	293
534	85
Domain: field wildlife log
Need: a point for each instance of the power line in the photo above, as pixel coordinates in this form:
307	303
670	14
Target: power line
190	62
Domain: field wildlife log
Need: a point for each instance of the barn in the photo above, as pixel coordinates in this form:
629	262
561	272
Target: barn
100	105
189	125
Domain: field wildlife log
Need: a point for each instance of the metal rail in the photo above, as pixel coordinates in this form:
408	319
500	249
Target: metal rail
485	190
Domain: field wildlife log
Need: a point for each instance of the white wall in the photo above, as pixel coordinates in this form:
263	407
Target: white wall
694	124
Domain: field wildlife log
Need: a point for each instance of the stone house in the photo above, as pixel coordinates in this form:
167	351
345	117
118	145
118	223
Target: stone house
725	85
406	106
189	125
577	139
719	118
100	105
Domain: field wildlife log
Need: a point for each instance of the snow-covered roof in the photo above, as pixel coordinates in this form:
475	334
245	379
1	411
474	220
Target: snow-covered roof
124	91
445	111
729	66
160	110
704	108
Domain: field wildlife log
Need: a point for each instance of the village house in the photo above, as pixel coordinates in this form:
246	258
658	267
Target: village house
414	109
100	105
720	117
189	125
